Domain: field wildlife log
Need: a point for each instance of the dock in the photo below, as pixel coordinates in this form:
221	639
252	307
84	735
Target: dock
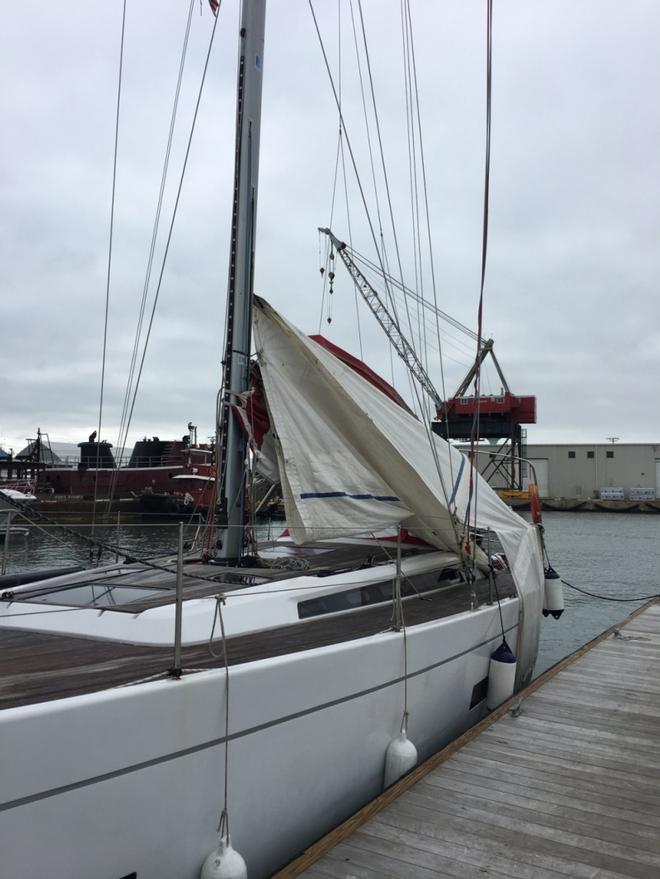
563	780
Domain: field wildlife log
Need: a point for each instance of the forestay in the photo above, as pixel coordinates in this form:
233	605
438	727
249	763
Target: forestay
352	461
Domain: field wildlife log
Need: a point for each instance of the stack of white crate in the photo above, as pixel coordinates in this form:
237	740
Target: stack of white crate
608	493
642	494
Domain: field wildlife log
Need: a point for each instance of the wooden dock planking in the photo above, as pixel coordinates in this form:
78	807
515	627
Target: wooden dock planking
568	788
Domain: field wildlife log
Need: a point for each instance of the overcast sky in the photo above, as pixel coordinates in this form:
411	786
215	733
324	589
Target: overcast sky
574	253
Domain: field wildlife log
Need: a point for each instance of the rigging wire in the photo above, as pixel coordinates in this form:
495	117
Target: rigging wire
369	268
358	322
426	209
414	389
109	268
438	312
325	267
473	489
381	248
124	426
372	165
346	199
412	175
173	218
382	162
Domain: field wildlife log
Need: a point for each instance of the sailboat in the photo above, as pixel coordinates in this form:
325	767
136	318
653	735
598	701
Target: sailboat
150	708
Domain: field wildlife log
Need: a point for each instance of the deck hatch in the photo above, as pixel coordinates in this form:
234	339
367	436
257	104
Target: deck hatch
101	595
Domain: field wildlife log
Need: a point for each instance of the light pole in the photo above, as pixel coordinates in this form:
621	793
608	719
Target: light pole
612	439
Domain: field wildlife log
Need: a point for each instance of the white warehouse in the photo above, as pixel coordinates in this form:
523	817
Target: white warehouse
587	470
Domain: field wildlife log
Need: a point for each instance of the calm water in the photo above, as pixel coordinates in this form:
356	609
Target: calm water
607	553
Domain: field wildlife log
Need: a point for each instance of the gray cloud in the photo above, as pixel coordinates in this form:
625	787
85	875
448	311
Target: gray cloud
575	202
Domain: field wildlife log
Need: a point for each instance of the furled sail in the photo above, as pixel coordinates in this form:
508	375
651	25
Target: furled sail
351	461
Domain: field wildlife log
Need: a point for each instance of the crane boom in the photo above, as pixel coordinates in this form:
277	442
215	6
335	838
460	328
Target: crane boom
389	324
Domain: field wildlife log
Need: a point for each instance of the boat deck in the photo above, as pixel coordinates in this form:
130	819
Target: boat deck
202	580
36	667
566	786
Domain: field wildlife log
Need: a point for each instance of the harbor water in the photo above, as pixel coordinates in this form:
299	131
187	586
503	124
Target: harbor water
610	554
613	554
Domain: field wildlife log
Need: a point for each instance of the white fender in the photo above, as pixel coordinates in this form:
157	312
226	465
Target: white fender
501	676
553	602
400	758
224	863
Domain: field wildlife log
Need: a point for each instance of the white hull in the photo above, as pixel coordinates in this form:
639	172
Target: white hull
130	780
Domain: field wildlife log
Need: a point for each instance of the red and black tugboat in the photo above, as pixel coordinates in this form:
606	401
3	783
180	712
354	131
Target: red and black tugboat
152	466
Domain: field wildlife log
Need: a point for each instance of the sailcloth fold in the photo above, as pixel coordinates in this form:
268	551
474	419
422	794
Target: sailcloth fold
352	461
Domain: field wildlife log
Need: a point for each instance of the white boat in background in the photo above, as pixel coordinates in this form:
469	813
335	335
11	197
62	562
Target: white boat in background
12	500
297	663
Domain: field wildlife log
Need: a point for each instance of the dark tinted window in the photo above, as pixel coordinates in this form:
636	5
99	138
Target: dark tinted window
376	593
571	454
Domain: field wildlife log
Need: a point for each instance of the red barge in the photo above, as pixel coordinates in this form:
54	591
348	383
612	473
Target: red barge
155	466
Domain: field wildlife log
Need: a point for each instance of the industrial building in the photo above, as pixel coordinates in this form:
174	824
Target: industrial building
586	470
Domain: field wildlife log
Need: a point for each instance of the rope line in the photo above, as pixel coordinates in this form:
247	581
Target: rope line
610	597
223	823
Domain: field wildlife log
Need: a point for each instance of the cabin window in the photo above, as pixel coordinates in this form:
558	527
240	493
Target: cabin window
377	593
609	454
571	454
590	454
349	599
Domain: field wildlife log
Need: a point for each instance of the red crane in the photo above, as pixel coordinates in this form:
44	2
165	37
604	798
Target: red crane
500	420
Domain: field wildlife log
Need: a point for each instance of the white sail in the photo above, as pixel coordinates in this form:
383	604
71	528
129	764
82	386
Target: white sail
329	488
353	461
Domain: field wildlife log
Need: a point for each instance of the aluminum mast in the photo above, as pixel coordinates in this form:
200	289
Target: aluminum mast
231	457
